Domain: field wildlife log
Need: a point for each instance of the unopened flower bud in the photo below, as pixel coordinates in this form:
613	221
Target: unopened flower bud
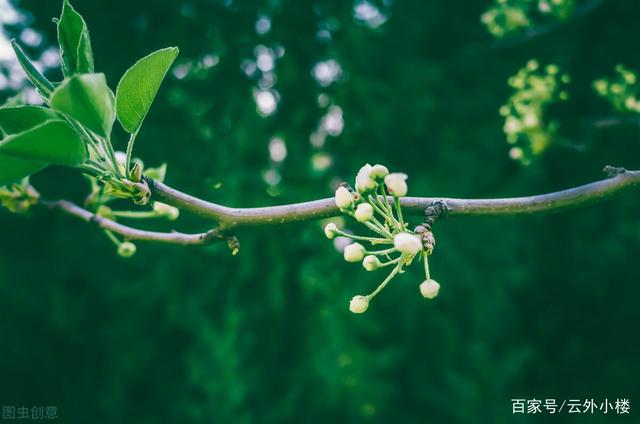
105	212
530	120
359	304
364	212
601	86
378	172
429	288
396	184
343	198
331	230
371	262
136	172
127	249
168	211
364	182
407	243
516	153
354	252
121	157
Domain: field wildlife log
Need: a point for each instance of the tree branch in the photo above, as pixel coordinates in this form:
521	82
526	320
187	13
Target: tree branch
230	218
133	233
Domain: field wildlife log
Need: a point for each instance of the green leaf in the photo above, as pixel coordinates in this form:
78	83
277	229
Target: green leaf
44	86
138	87
75	45
14	169
158	173
53	142
16	119
87	99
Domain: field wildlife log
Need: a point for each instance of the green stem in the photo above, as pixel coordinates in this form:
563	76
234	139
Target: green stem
383	190
112	237
105	148
132	140
91	143
372	240
380	225
136	214
377	230
426	265
112	156
396	202
95	149
91	169
80	129
381	252
391	262
385	282
377	208
382	201
385	231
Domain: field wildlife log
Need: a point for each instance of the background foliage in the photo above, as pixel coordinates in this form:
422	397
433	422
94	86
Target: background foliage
538	307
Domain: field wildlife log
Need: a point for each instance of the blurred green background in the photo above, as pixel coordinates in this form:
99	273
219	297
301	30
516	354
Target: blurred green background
536	307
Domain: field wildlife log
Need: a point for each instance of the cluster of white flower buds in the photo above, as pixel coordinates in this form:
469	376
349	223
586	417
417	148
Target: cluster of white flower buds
528	130
622	90
375	203
506	17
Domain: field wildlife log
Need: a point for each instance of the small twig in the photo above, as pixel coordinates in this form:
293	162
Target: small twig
131	233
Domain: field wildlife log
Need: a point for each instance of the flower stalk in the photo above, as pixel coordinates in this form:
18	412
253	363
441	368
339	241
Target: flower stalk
369	206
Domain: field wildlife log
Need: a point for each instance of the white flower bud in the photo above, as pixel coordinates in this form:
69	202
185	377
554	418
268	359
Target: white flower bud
407	243
105	211
530	120
396	184
516	153
359	304
364	182
343	198
512	125
126	249
331	230
364	212
378	172
371	262
168	211
354	252
121	157
630	102
429	288
601	86
544	6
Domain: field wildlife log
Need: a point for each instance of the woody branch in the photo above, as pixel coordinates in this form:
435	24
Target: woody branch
229	219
